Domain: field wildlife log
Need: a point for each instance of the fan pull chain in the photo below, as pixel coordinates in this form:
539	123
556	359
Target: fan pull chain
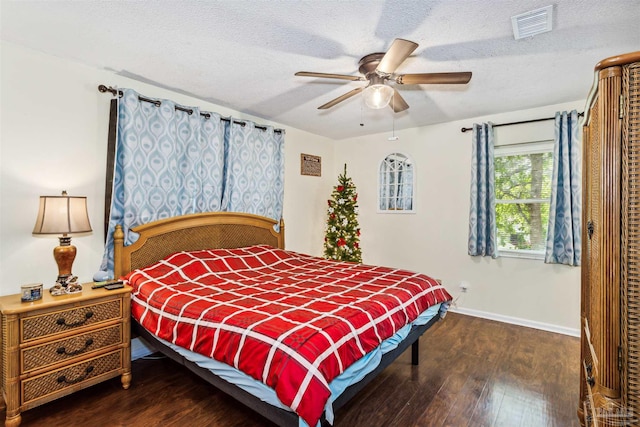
393	136
393	115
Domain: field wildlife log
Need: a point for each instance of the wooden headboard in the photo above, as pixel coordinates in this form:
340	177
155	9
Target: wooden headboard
190	233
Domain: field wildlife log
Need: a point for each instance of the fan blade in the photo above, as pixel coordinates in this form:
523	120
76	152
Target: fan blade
340	98
397	102
397	53
434	78
329	76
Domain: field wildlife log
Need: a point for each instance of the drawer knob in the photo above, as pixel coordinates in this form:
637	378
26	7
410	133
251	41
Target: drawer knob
63	378
63	322
62	350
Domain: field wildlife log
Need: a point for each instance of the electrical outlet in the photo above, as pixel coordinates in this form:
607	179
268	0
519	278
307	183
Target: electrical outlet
464	286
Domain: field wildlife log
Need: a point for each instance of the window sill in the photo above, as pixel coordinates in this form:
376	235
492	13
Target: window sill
507	253
397	211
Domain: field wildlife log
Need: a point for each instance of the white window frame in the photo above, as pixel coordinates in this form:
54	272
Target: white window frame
409	161
528	147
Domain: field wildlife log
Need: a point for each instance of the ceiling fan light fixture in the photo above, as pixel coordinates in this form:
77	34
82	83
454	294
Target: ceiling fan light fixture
377	96
378	69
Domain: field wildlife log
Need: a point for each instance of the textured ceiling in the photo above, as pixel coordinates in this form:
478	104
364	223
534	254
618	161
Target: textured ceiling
243	54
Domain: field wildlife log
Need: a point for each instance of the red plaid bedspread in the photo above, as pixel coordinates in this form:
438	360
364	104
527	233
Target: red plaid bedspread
290	320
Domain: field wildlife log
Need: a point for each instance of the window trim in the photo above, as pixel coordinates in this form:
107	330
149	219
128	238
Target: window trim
413	192
520	148
521	253
529	147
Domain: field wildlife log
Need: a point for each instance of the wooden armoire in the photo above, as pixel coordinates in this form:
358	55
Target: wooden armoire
610	304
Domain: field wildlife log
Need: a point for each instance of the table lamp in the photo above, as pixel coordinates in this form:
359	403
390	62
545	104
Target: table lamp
63	215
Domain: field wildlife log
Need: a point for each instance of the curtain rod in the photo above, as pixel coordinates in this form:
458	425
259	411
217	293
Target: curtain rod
519	123
114	92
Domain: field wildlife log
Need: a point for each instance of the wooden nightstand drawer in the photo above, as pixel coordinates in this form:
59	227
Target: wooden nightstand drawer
44	355
55	383
65	320
62	344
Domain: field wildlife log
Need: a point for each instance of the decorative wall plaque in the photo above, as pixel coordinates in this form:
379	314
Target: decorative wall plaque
310	165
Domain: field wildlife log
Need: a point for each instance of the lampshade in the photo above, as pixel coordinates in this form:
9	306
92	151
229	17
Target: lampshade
62	215
377	96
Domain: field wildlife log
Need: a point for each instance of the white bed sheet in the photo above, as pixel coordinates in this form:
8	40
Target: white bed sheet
350	376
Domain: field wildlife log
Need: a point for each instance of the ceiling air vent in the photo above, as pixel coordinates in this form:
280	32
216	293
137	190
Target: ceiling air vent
532	23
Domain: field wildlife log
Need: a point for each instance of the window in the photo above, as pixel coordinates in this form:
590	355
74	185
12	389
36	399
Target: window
395	191
523	193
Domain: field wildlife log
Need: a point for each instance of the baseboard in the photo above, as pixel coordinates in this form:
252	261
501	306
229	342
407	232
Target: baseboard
139	348
517	321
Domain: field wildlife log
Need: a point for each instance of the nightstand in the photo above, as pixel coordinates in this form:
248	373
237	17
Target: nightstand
59	345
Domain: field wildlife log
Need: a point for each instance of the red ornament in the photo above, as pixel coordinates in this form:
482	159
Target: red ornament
329	202
355	198
341	242
340	188
356	245
332	216
358	231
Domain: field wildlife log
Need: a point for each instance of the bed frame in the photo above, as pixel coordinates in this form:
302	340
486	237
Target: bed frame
193	232
227	230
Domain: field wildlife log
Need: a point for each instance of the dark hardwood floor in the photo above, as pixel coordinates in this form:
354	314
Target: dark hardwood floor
473	372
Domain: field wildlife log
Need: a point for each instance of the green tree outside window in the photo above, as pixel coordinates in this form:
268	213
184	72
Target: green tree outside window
523	192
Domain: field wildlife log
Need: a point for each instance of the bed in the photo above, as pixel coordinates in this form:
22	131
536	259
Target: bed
196	244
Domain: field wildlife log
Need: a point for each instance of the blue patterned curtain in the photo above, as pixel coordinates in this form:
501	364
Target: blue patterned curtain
564	237
482	211
254	176
168	162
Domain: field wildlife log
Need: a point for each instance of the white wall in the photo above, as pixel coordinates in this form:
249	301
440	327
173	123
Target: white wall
434	239
53	137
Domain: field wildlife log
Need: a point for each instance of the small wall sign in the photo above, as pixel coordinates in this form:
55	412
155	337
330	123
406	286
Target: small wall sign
310	165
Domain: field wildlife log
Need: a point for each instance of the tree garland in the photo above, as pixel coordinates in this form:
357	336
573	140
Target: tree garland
342	237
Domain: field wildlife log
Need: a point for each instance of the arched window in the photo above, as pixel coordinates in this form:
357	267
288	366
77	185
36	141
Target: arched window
395	190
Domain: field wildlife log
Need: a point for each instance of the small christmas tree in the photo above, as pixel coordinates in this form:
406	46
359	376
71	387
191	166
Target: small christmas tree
342	241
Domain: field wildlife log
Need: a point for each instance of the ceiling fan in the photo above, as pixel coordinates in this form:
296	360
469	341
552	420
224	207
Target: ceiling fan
378	68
